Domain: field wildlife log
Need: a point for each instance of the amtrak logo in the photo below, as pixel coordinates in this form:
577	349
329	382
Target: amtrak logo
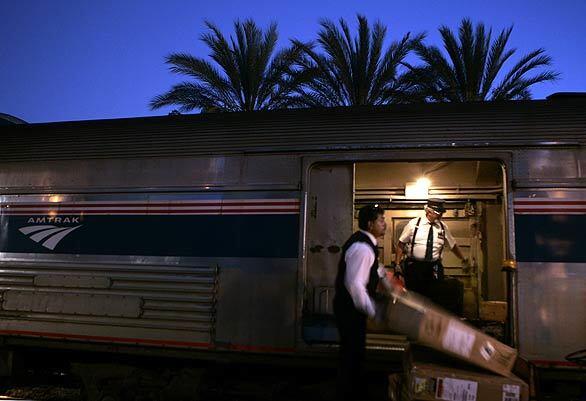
47	236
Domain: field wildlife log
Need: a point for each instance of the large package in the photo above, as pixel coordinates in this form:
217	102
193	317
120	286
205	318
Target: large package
425	323
426	381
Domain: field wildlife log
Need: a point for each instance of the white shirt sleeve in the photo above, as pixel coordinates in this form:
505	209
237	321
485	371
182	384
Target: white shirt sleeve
407	233
449	237
359	258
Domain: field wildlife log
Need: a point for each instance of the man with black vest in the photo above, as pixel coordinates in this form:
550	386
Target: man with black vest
356	283
422	242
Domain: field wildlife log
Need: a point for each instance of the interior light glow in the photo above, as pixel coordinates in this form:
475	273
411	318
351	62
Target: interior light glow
418	189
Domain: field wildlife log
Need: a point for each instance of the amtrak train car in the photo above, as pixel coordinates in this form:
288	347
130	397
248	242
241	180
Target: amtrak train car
201	235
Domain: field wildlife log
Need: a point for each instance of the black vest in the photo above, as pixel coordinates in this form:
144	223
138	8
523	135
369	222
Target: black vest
343	298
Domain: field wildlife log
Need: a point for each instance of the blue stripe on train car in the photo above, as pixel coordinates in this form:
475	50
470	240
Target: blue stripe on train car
264	235
550	238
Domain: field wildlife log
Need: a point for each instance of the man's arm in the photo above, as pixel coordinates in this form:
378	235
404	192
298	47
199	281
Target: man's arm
458	253
399	253
359	258
454	246
404	239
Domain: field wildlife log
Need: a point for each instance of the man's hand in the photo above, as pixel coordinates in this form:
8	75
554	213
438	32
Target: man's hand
396	278
465	264
396	268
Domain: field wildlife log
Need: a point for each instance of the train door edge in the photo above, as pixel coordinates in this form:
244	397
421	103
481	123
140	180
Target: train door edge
327	224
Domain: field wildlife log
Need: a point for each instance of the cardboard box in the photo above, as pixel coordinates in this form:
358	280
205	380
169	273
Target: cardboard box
493	310
426	381
425	323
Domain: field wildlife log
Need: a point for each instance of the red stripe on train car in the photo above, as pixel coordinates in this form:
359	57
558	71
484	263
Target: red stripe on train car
156	204
549	210
106	338
147	212
549	202
545	363
256	348
173	343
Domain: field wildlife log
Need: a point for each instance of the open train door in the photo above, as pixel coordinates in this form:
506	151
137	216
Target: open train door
328	226
331	209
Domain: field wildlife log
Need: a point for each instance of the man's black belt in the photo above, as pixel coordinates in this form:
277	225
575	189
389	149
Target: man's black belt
423	261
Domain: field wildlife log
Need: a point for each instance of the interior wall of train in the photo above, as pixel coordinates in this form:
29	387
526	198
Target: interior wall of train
474	195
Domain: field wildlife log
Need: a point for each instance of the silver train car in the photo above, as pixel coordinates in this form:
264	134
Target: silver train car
219	234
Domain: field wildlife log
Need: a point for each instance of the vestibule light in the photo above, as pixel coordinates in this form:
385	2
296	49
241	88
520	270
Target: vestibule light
418	189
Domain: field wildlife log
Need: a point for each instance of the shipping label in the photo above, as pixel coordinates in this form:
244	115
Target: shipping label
456	389
458	339
511	392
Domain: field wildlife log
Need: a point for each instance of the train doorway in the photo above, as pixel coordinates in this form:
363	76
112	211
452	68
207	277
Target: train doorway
474	192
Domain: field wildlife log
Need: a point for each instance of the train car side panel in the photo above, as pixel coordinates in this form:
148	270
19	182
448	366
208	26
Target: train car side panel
551	273
146	268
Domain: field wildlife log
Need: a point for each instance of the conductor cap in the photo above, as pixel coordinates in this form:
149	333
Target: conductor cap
436	204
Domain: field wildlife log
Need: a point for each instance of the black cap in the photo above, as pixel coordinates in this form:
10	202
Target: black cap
436	204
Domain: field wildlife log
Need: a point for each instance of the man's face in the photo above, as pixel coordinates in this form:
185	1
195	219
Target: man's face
377	227
432	215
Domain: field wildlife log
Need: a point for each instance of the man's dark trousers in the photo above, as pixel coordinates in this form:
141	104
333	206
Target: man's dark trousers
352	330
427	278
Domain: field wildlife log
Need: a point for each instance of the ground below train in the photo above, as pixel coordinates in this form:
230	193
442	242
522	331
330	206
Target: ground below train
222	383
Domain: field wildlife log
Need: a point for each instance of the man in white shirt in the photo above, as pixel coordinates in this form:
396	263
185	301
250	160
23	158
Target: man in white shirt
356	283
422	242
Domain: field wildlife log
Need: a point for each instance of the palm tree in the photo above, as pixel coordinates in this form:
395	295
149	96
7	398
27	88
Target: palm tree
251	74
473	63
355	71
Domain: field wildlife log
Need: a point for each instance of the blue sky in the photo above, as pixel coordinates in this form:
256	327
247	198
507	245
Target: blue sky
94	59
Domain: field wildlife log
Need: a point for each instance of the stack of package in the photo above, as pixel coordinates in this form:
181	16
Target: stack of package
427	324
430	381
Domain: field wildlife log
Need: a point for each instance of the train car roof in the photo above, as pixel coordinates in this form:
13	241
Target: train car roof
556	121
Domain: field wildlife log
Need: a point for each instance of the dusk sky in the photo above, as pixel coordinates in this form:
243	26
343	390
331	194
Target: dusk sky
95	59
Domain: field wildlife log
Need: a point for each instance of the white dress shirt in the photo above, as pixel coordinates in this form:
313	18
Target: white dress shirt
441	235
359	258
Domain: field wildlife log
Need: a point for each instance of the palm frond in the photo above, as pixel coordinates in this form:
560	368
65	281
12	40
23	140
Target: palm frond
188	96
223	55
349	69
457	68
529	62
203	71
473	64
245	72
496	58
